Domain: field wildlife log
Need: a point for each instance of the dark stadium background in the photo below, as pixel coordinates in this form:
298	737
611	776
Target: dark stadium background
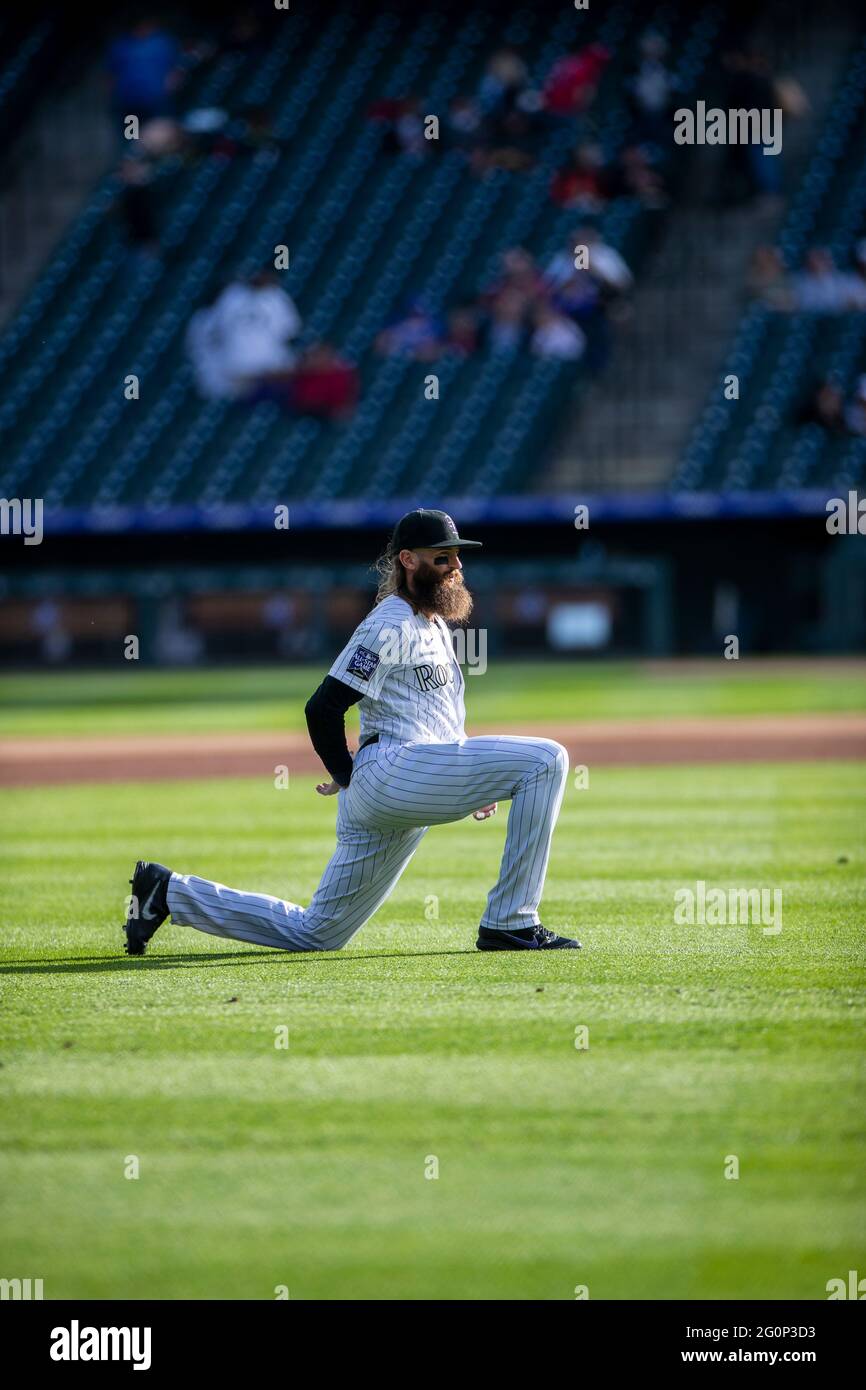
727	529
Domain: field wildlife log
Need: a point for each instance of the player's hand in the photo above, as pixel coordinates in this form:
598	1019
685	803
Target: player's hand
328	788
485	811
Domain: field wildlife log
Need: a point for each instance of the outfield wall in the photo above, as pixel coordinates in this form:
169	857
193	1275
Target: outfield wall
647	587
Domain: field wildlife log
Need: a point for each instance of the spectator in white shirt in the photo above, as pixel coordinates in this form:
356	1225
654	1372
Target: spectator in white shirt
556	336
601	261
243	338
822	288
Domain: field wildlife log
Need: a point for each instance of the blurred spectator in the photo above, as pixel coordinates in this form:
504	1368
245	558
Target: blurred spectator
768	280
821	288
587	292
204	346
135	205
582	185
530	608
418	334
510	140
561	313
747	86
203	125
291	636
573	81
505	82
162	137
511	298
243	338
858	277
573	288
750	85
518	272
462	336
855	413
499	127
384	110
555	335
464	125
176	643
604	264
323	383
212	131
636	175
144	68
402	123
205	120
508	316
650	88
824	406
55	643
409	130
258	320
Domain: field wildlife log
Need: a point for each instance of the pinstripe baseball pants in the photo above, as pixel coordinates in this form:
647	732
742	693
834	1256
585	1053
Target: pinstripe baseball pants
396	793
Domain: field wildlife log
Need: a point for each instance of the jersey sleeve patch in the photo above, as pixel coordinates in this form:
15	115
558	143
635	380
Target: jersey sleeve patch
363	663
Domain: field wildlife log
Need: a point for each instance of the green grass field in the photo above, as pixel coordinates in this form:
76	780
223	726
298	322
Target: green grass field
150	701
304	1167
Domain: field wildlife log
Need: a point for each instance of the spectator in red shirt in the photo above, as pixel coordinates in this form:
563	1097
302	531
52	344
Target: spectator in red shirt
573	81
582	185
323	384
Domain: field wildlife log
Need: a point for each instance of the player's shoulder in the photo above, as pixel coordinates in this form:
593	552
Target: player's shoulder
394	606
393	611
388	630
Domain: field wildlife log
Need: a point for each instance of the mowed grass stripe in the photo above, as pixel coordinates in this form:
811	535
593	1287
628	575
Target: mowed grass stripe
557	1167
134	699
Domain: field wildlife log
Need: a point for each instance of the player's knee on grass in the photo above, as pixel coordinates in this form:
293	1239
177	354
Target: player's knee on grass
327	933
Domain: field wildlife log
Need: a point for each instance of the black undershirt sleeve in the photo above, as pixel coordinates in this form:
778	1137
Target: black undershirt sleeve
326	721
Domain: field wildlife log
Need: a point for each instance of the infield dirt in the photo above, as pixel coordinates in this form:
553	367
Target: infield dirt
155	757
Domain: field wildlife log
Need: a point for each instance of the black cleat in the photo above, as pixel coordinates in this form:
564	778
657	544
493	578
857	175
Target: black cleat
527	939
149	907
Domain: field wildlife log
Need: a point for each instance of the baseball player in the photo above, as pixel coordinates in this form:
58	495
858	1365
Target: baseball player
414	768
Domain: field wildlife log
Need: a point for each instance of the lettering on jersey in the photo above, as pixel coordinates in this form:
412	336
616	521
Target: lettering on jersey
430	677
363	663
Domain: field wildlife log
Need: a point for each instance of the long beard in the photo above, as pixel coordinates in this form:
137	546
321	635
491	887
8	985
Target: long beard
446	595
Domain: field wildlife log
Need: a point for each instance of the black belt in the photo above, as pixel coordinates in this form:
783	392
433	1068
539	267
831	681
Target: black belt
371	738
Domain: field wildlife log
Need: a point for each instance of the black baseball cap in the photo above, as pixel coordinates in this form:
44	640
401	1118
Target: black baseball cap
426	529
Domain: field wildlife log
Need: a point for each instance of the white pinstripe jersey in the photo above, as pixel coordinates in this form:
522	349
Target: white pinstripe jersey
404	665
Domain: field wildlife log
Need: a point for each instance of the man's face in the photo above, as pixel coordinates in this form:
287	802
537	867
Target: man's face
436	581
